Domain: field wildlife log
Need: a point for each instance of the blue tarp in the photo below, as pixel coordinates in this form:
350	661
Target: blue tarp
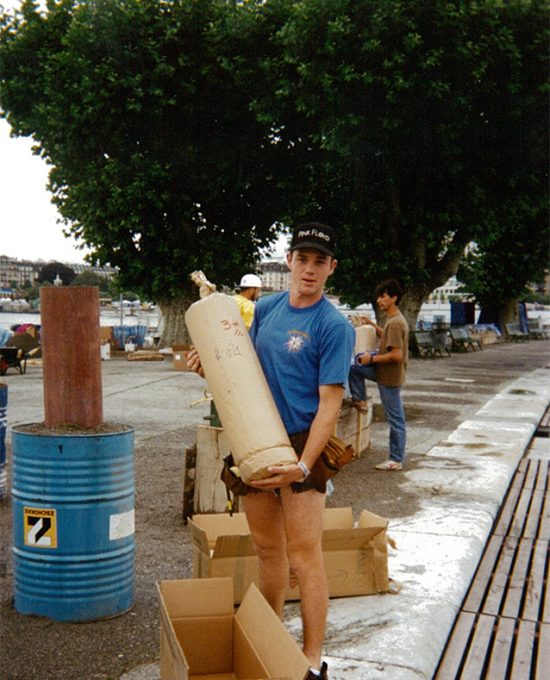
462	313
135	334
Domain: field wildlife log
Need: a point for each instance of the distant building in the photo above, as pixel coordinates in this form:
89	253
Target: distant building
16	274
275	276
450	287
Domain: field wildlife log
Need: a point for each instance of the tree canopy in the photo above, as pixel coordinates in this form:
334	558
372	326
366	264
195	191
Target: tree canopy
157	163
56	271
184	134
425	125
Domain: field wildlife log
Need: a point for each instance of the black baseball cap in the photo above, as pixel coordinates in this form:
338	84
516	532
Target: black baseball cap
314	235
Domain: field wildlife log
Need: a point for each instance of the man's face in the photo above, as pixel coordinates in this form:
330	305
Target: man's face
310	270
256	292
384	301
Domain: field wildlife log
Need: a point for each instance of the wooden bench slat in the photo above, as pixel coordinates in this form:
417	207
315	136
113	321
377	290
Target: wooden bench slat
544	527
543	480
499	583
518	480
523	652
507	512
531	474
477	653
542	662
454	651
502	646
483	576
518	580
545	617
520	514
531	528
535	582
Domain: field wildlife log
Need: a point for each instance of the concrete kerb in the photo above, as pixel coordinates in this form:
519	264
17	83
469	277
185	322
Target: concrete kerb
461	484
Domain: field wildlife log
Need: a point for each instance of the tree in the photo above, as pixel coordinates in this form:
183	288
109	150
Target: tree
54	271
90	278
416	121
496	272
158	164
184	134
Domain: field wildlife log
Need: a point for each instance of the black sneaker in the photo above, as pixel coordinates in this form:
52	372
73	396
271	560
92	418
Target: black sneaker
323	676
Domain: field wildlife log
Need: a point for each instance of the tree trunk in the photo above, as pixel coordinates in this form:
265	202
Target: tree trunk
173	328
508	312
411	304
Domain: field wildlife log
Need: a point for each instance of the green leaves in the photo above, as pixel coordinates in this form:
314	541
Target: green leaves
181	132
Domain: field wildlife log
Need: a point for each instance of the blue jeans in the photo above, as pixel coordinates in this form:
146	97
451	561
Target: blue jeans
391	401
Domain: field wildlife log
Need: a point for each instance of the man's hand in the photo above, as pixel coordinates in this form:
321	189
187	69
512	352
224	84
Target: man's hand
281	475
194	362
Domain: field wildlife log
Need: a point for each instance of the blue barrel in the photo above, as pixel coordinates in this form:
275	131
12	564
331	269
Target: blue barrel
3	425
73	524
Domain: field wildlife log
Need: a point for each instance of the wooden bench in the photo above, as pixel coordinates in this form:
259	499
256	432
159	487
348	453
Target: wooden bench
12	357
423	344
503	628
535	329
462	341
514	333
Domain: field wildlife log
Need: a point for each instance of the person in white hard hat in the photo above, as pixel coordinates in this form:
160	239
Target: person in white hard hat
250	289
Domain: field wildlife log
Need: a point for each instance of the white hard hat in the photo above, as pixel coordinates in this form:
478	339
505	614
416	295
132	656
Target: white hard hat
250	281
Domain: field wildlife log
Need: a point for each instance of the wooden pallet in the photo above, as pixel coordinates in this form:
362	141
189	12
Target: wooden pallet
503	628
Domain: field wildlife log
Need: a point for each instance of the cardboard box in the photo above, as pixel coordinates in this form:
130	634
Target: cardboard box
179	362
202	637
105	334
356	556
353	427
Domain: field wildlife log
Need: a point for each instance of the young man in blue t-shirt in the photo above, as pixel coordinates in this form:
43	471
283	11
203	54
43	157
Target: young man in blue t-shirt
305	347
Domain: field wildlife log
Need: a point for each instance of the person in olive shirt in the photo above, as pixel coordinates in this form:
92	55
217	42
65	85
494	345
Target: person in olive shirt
387	368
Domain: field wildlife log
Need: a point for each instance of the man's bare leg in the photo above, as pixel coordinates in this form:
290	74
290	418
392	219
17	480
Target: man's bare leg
265	518
303	517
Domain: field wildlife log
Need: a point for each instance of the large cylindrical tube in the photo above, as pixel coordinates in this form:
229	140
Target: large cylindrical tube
250	419
365	339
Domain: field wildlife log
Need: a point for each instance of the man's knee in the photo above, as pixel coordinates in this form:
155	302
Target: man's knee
303	556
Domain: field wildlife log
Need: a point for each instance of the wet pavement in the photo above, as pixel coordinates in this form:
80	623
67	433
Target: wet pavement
470	420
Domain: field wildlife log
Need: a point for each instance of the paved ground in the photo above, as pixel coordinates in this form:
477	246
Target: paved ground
470	418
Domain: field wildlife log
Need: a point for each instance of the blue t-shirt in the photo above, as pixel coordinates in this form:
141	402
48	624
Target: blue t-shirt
301	348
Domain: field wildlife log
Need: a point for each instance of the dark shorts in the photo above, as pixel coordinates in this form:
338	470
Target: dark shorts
239	488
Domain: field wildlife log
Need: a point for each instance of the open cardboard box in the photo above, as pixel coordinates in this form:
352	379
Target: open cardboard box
356	556
202	638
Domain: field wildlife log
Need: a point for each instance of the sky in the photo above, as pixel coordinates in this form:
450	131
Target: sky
28	221
30	226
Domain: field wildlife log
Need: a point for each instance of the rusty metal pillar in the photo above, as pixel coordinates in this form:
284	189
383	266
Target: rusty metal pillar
71	351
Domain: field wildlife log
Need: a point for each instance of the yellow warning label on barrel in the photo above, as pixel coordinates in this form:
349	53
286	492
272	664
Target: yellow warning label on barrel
40	527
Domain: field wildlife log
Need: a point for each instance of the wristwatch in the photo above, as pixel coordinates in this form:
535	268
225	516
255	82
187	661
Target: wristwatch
304	468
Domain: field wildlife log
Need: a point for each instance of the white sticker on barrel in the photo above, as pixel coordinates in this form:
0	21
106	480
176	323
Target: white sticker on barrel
121	525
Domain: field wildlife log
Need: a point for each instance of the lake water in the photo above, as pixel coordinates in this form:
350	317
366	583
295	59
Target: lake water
107	317
150	319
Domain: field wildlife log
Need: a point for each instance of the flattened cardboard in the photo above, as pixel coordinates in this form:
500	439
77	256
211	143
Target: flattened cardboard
356	557
201	637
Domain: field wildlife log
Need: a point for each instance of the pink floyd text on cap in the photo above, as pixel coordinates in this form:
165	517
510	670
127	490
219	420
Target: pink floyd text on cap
314	235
